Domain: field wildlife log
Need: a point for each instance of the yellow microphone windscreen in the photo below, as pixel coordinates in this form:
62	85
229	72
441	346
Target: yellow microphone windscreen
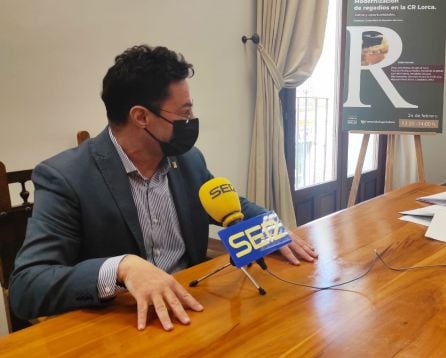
221	201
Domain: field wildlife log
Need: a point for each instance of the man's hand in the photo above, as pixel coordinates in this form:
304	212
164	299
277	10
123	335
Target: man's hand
298	249
151	286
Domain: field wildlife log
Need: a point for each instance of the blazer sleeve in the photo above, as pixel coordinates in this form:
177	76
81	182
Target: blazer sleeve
251	209
48	277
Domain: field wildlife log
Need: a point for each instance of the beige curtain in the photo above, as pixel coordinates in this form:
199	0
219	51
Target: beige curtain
291	38
405	161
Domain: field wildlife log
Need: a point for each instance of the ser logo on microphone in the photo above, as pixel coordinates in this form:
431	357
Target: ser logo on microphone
221	189
254	238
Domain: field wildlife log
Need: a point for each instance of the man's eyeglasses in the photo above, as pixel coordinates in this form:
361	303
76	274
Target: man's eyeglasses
185	116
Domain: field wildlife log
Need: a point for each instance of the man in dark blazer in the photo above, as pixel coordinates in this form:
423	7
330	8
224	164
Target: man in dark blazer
122	210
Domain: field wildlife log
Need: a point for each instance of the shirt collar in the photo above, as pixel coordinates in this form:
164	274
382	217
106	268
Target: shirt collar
128	164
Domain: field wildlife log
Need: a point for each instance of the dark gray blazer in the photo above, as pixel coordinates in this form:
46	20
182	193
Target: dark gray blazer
84	213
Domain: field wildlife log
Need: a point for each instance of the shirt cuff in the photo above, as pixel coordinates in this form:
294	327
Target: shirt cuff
108	274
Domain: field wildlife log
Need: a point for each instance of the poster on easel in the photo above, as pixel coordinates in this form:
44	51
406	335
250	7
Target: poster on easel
394	66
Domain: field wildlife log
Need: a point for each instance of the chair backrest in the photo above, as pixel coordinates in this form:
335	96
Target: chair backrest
82	136
13	219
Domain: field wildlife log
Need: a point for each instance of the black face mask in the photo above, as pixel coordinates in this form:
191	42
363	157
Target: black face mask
185	134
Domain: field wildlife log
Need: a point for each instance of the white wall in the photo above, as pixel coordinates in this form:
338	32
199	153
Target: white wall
54	54
434	149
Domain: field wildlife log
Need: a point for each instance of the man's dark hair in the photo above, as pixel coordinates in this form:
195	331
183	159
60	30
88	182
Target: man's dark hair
141	75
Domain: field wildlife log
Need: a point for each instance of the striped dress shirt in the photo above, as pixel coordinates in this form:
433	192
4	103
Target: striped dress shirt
164	245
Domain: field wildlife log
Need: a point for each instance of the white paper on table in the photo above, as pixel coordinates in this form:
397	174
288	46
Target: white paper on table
422	220
439	198
437	228
430	210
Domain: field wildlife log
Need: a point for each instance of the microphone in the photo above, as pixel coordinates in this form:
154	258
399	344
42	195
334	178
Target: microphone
245	240
221	201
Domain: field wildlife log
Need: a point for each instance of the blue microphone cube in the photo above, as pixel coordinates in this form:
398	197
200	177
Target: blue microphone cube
254	238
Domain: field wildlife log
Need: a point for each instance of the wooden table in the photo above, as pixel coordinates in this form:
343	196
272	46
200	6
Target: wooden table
384	314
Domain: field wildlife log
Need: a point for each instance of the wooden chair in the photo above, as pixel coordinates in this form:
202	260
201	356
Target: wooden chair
13	220
82	136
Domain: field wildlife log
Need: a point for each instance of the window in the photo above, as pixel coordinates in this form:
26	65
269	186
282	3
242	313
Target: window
321	159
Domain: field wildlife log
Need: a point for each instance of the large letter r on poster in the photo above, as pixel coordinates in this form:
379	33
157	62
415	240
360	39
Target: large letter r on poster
357	64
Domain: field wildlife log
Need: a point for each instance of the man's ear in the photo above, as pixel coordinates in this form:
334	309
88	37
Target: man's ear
140	116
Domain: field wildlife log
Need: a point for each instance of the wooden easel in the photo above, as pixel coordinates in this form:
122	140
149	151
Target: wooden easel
391	136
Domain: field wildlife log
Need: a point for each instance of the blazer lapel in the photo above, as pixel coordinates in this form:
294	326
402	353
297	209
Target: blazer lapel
114	175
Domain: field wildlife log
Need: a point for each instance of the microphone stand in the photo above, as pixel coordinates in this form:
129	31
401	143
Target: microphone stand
260	261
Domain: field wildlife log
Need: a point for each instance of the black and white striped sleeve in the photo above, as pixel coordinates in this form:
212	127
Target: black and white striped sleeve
107	278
